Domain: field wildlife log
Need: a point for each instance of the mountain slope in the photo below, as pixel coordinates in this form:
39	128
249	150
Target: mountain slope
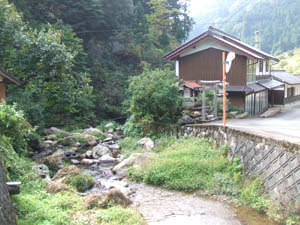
278	22
290	61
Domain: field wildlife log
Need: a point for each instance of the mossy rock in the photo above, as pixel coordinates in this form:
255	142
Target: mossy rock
82	182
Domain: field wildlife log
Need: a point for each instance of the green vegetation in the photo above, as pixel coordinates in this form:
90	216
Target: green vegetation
190	165
153	99
75	59
290	61
154	96
117	215
14	126
81	182
129	146
43	208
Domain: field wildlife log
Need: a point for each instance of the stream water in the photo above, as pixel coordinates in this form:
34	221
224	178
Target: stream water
164	207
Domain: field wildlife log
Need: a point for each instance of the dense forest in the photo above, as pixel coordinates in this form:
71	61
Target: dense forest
75	58
278	22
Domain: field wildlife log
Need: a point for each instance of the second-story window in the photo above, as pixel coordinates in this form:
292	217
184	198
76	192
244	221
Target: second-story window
261	66
267	66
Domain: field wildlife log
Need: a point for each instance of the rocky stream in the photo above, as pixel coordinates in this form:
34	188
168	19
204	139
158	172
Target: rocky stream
99	154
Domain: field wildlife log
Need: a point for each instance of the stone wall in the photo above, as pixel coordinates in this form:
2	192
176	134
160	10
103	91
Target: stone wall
7	215
276	161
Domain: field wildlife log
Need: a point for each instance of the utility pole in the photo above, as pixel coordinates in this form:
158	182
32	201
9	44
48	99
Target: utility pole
224	87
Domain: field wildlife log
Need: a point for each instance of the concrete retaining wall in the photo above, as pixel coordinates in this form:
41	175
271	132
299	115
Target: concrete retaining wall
7	215
276	161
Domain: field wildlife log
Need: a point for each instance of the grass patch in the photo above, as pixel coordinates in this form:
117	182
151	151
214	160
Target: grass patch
81	182
120	216
129	146
189	165
42	208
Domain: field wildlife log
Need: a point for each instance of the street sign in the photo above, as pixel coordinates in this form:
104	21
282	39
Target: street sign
230	57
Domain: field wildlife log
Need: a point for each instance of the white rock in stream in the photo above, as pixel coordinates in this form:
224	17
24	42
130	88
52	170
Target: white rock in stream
147	143
136	160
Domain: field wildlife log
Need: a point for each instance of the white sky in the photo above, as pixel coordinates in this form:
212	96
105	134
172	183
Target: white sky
198	5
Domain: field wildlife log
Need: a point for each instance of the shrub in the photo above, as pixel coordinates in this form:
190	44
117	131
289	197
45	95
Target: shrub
14	126
14	165
154	96
132	127
81	182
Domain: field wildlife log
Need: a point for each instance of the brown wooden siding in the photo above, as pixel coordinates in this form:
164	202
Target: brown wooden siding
237	99
2	91
207	65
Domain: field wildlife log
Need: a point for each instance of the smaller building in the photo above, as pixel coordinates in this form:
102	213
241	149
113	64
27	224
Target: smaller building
290	92
190	90
6	78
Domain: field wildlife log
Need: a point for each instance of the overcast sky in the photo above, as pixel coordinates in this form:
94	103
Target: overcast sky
198	5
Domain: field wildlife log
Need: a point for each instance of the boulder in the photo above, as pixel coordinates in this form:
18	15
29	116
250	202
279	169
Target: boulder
55	187
147	143
51	137
75	161
53	162
54	130
82	139
107	159
137	160
49	143
41	170
70	154
109	125
186	120
93	131
108	139
93	200
89	154
242	116
89	162
115	197
66	171
114	146
233	114
100	150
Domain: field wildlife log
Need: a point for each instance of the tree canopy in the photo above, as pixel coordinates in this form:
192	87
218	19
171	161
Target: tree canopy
105	42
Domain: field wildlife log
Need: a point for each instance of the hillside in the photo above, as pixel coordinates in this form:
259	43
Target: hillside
278	22
290	61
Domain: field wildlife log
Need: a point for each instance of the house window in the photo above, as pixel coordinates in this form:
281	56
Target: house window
251	71
261	66
267	66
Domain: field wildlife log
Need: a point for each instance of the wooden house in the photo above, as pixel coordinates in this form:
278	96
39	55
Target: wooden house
201	59
6	78
290	91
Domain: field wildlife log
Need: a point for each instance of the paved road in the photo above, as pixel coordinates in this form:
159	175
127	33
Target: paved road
285	125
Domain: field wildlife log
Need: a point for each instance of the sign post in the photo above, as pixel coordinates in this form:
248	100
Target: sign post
226	68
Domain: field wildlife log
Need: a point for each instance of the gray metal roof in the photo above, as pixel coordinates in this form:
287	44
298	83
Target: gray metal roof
270	83
230	88
256	87
285	77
